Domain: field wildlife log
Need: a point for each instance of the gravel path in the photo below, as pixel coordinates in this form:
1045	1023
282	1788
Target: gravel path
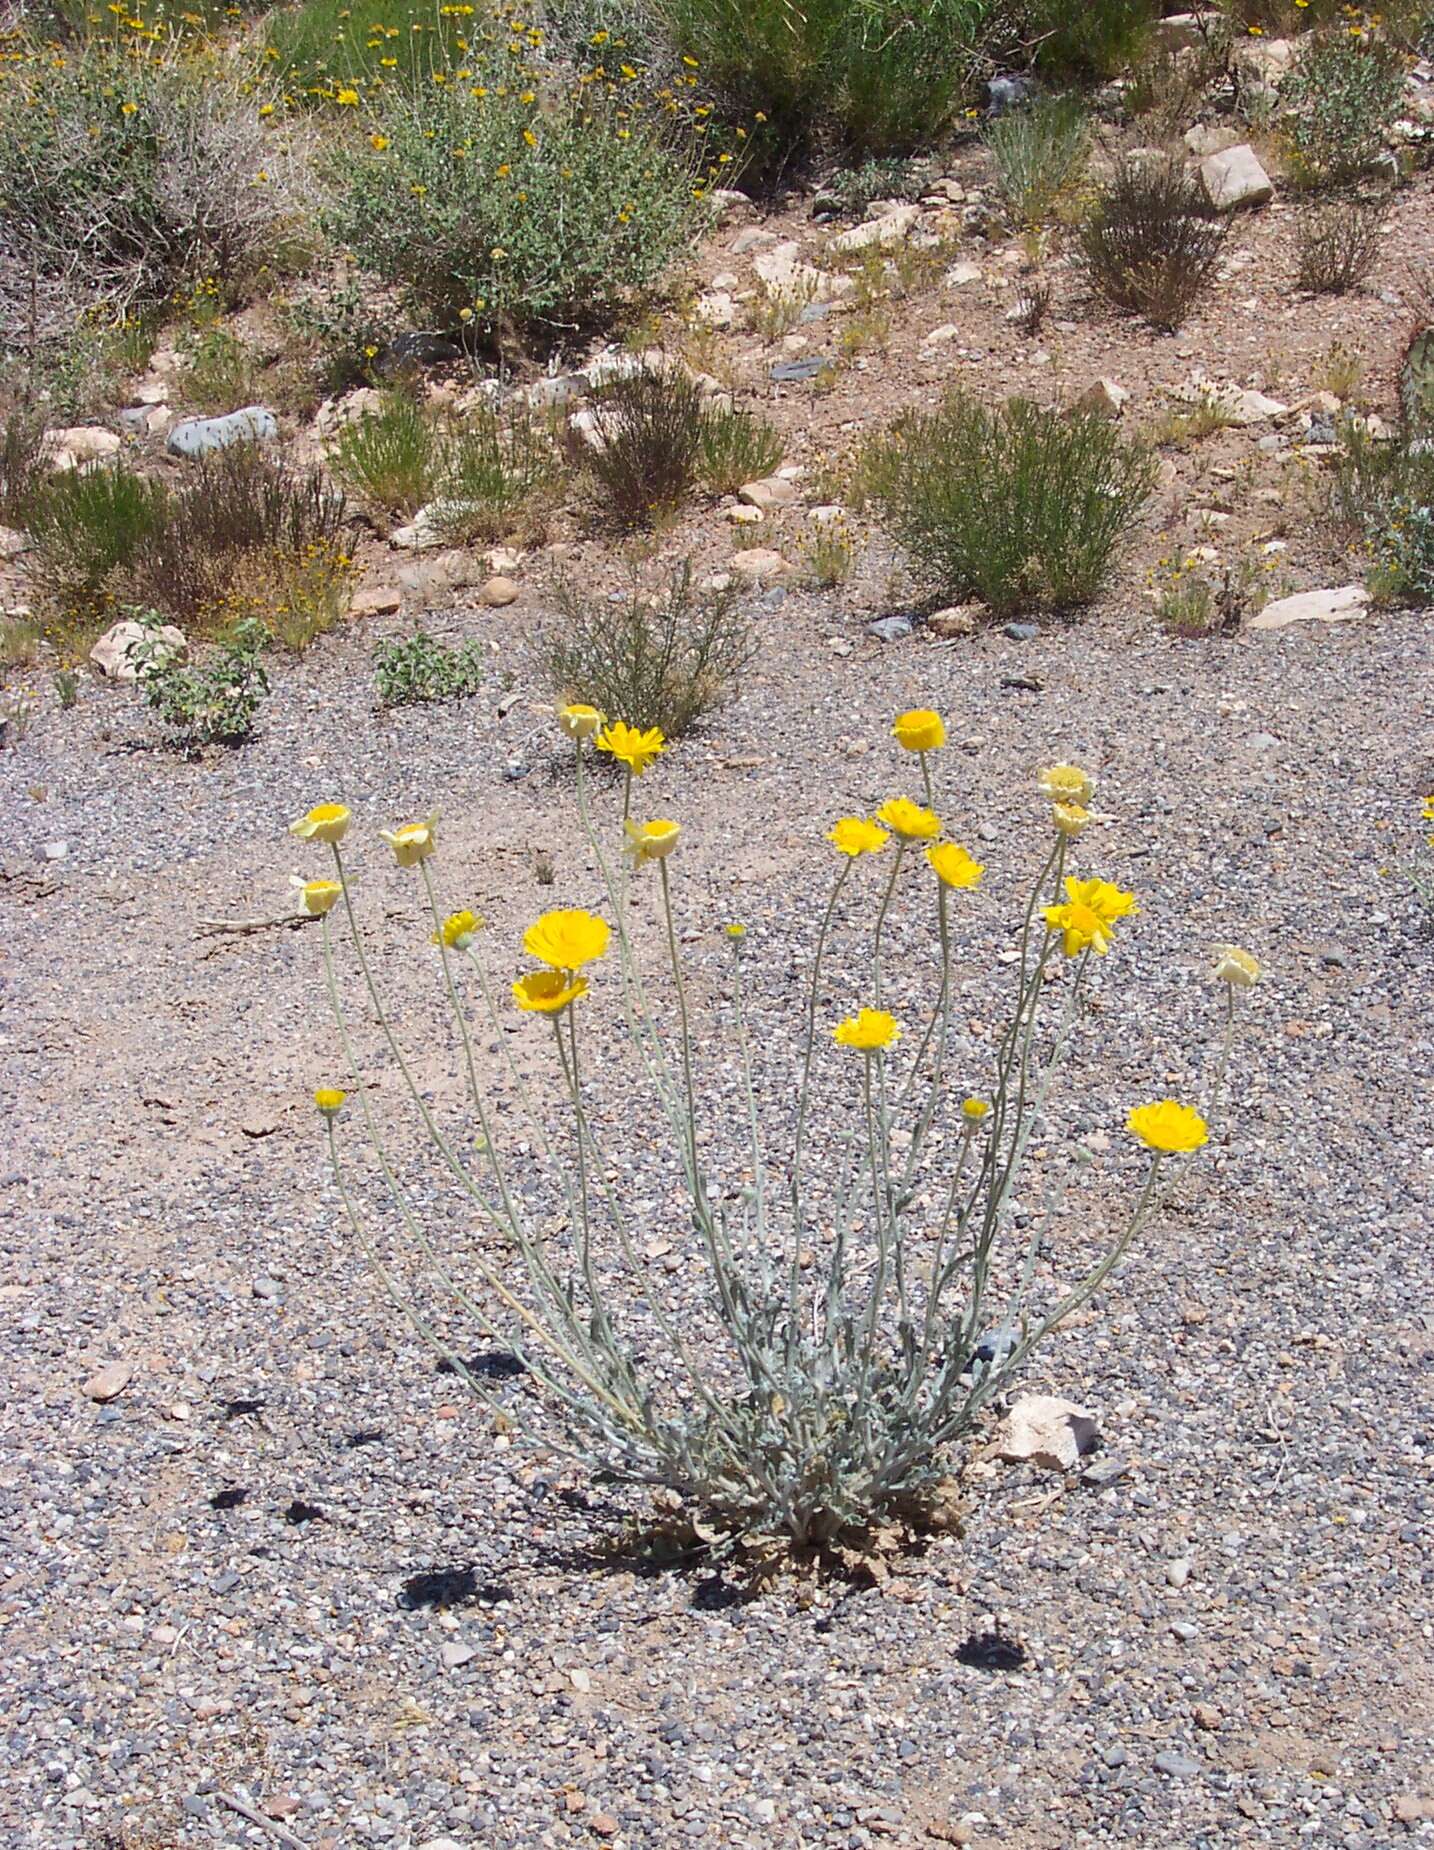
291	1563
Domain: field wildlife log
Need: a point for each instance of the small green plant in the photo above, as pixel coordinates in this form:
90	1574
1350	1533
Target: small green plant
1169	89
1337	243
1341	371
418	669
16	712
213	703
1195	599
735	446
88	526
1416	383
1382	493
499	473
323	46
1016	506
19	643
67	688
829	555
1421	870
217	371
1148	246
1032	303
851	191
1039	151
1099	38
390	456
775	310
1338	105
663	658
1180	426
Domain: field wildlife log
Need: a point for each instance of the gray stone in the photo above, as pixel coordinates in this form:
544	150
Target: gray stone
895	628
878	233
269	1290
1177	1572
455	1655
13	542
205	436
1178	1766
1021	632
1235	178
1005	93
1105	1472
418	348
1186	1630
787	372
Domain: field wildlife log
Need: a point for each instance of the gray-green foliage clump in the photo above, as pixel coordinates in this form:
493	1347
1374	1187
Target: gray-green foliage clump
1338	105
417	669
212	702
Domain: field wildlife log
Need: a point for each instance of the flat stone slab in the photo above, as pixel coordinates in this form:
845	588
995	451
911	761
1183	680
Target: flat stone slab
205	436
1339	606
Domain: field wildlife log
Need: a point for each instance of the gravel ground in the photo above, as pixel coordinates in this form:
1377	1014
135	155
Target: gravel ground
290	1562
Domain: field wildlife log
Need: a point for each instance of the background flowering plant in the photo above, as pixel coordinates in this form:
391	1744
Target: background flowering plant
843	1337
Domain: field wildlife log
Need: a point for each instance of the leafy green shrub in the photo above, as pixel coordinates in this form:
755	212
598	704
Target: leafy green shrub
1338	105
1097	38
1416	383
851	191
1015	506
419	668
391	455
524	225
735	446
213	703
1148	245
1038	150
90	525
663	659
878	77
1382	493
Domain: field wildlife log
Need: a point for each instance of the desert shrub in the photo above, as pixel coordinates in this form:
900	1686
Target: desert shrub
521	224
1192	599
1337	243
324	47
22	463
1148	245
217	371
296	596
19	643
880	79
665	659
89	526
1382	494
649	425
735	446
1338	105
1099	38
1015	506
1416	384
1169	89
417	669
207	703
850	192
390	456
1038	150
854	1286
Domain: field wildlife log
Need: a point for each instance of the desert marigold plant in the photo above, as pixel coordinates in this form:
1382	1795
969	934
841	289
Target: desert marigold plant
855	1254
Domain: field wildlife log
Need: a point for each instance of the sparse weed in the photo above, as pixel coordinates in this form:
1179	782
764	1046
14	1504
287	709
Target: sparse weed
1039	151
1148	246
217	371
1340	372
829	555
650	425
1337	243
736	446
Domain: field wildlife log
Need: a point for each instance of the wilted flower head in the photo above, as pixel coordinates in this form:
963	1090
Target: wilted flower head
325	822
315	897
579	722
414	842
1071	819
330	1100
630	747
953	866
869	1030
909	820
920	730
547	992
567	939
1236	967
459	930
650	841
854	835
1168	1127
1066	783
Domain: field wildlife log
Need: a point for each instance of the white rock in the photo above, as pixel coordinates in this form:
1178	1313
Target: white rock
726	199
111	654
759	565
334	413
80	444
1042	1429
498	592
955	620
744	516
878	233
769	493
586	425
1266	61
1235	178
716	309
938	337
960	274
375	601
1255	408
1177	32
1339	606
824	516
503	560
108	1381
1104	398
433	525
726	279
1208	138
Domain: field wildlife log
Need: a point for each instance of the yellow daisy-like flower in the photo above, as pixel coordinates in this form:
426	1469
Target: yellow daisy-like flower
1107	901
630	747
414	842
1071	819
854	835
325	822
869	1030
547	992
920	730
953	866
349	98
1236	967
1427	812
459	930
567	939
330	1100
1066	783
1168	1126
1080	928
909	820
974	1109
736	929
579	722
316	897
650	841
378	143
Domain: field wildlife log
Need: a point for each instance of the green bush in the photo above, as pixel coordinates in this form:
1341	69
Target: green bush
1015	506
1096	38
88	525
1338	105
1382	493
1148	245
649	426
391	455
879	78
417	669
523	225
1038	150
734	447
209	704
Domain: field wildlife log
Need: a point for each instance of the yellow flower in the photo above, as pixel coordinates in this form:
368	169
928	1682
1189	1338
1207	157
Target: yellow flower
567	939
1066	783
920	730
651	841
1236	967
909	820
330	1100
630	747
1427	812
854	835
459	930
414	842
325	822
546	992
953	866
1080	928
349	98
1071	819
736	929
1167	1126
1108	902
974	1109
579	722
316	897
869	1030
378	143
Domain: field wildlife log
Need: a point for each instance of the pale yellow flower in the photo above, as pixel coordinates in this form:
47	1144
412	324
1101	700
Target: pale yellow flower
315	897
414	841
650	841
909	820
920	730
325	822
1071	819
579	722
854	835
869	1030
1169	1127
1066	783
953	866
1236	967
459	930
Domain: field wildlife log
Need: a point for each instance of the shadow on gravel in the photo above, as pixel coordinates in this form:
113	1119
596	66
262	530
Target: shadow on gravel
990	1651
486	1365
449	1586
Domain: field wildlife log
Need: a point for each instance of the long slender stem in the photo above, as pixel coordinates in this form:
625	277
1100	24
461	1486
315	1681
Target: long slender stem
804	1091
881	922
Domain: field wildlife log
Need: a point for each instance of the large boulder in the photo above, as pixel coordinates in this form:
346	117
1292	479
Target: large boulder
206	436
